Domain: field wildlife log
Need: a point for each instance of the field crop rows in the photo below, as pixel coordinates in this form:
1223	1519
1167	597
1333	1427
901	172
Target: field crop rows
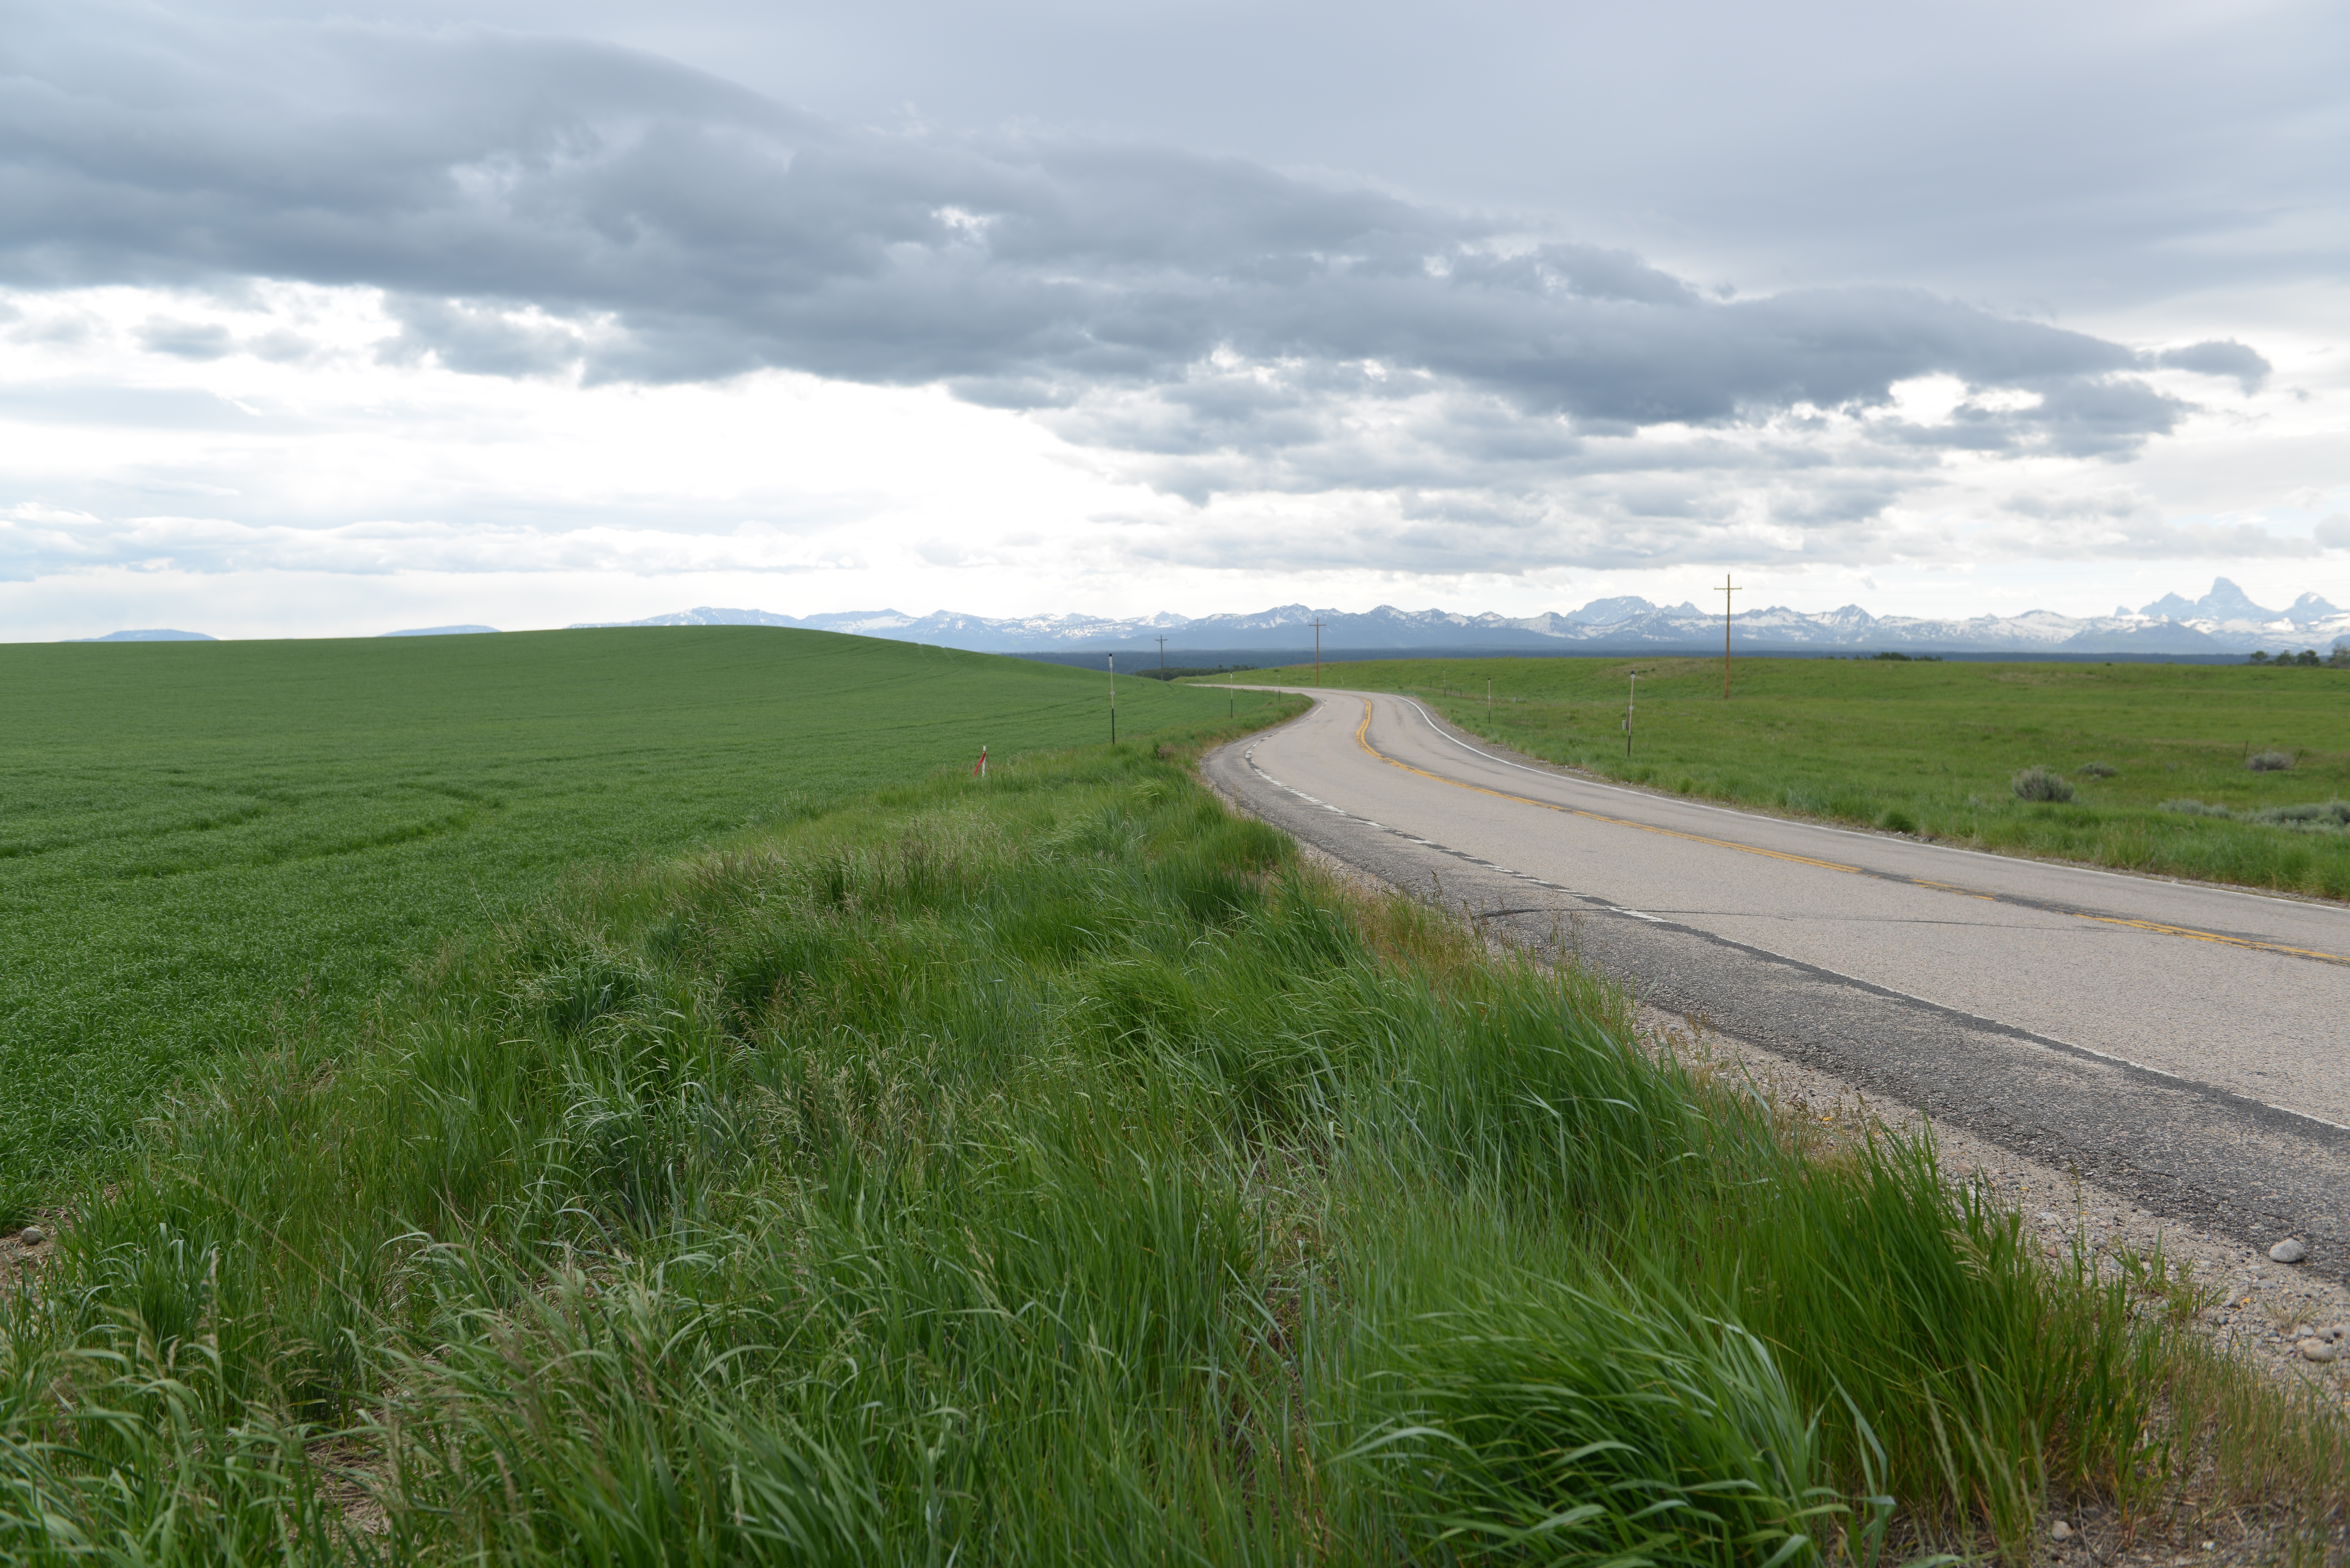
1932	748
213	846
1047	1170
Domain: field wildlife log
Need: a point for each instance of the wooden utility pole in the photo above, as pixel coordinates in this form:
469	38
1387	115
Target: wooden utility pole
1162	653
1317	651
1112	699
1728	589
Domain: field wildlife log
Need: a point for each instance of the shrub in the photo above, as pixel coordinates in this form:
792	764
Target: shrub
2316	817
2269	762
2324	814
2036	782
2096	770
1897	821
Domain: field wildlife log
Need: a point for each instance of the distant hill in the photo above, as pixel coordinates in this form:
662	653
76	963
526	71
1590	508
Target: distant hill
2224	621
158	634
707	616
440	631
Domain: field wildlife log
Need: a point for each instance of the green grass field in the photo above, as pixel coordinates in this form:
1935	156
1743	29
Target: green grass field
208	845
1932	748
1052	1170
634	1097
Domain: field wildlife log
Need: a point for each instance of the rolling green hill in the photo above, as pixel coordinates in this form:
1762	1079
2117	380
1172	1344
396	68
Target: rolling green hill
205	844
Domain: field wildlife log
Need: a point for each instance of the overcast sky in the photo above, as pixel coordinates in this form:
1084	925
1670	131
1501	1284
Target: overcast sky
521	313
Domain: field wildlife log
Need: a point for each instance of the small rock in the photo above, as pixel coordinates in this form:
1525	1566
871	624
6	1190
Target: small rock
2061	1530
2288	1251
2047	1217
2318	1350
32	1236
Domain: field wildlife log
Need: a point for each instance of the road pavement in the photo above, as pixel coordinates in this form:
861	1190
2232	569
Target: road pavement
2182	1043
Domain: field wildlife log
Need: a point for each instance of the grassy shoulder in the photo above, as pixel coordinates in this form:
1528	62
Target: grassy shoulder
2154	757
207	847
1053	1169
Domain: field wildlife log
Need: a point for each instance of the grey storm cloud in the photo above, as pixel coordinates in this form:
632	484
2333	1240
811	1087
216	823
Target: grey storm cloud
2249	369
532	206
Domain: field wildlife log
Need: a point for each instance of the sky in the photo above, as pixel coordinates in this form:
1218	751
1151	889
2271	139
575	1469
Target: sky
320	323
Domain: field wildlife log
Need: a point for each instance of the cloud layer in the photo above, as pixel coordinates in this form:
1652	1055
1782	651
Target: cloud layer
1305	375
537	206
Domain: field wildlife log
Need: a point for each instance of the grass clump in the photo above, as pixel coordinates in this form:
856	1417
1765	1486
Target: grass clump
2268	761
2040	784
2096	770
1050	1169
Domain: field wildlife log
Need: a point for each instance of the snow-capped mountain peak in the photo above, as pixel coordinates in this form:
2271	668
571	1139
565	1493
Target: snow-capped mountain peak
2223	620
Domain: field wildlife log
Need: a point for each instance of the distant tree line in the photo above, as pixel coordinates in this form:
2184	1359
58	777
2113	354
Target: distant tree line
1175	671
2307	657
1897	658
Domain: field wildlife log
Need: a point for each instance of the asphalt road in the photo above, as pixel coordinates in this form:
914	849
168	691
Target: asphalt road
2180	1043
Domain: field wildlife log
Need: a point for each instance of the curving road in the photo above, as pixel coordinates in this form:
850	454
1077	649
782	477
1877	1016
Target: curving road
2183	1043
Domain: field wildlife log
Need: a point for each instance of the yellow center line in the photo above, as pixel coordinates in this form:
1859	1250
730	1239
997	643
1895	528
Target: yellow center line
1363	739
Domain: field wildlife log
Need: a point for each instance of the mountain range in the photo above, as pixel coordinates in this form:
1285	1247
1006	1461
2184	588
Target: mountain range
2224	620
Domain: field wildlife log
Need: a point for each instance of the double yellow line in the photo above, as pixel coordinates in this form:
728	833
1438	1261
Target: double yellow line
1363	739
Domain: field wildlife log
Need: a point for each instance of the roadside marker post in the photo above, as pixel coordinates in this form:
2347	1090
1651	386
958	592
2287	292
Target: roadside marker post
1631	697
978	768
1112	699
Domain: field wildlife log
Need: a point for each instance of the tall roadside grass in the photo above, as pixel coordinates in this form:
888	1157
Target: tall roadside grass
1051	1169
